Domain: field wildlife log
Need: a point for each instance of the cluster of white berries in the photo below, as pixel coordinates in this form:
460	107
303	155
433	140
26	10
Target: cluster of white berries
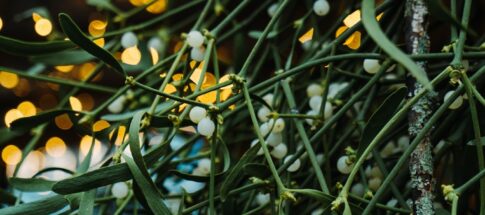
321	7
119	190
456	103
195	39
205	126
272	128
374	176
315	92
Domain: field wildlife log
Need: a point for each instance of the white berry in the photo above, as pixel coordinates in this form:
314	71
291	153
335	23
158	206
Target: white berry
279	125
358	189
274	139
262	199
272	9
343	165
155	43
264	129
328	112
279	151
455	104
375	172
315	102
294	166
263	113
195	39
254	142
129	40
197	113
335	88
268	98
197	53
321	7
311	113
119	190
388	150
392	203
314	90
375	183
403	142
117	105
206	127
371	66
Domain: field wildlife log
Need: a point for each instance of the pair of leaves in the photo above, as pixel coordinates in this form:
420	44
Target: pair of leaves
27	123
375	32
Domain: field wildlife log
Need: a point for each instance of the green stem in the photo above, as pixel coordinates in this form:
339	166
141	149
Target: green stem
462	37
259	42
274	172
304	137
478	140
170	96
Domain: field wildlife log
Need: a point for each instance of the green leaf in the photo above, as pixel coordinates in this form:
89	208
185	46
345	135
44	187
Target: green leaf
149	190
79	38
236	171
87	202
24	48
44	206
375	32
26	123
6	135
104	175
31	184
67	57
258	170
382	115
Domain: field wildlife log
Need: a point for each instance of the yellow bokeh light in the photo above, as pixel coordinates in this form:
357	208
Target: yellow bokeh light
131	56
55	147
1	23
137	2
97	28
120	135
352	19
85	145
86	70
100	125
307	36
43	27
209	80
99	42
63	122
27	108
12	115
36	17
8	80
64	68
87	101
154	54
340	30
224	79
170	89
157	7
353	41
208	98
11	155
75	103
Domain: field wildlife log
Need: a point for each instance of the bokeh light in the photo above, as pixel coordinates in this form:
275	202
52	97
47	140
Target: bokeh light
55	147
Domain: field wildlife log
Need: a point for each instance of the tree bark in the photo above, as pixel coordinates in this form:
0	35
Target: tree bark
420	162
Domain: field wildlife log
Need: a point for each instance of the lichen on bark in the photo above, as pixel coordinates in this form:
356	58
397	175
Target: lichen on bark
420	162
